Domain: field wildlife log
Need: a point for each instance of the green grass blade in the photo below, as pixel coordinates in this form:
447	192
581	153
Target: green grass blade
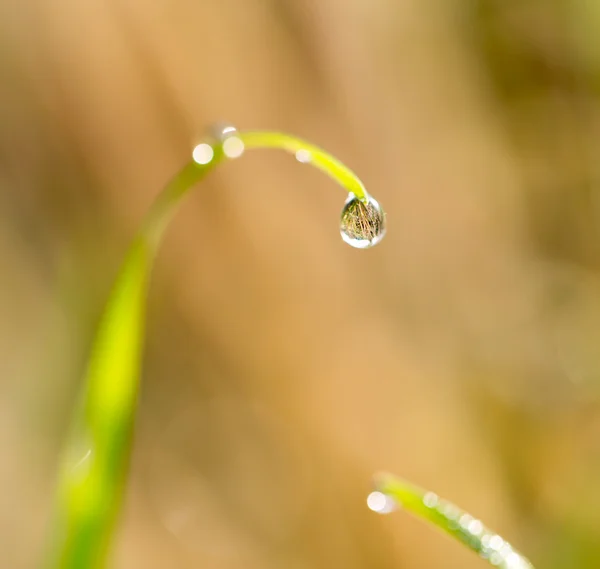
449	518
306	152
94	464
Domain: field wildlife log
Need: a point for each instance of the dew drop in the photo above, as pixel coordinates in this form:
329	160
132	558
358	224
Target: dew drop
227	135
79	458
430	500
362	224
203	153
475	527
233	147
303	156
222	130
380	503
465	521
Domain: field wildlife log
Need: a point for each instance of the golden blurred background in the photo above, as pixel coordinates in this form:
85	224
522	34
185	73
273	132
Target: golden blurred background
282	367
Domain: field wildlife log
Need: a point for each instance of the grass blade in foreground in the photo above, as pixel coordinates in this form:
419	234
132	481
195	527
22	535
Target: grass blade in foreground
93	469
447	517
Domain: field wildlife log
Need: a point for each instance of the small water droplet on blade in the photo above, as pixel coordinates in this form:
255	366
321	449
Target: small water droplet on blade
431	500
203	153
303	156
79	457
380	503
222	130
227	135
233	147
362	224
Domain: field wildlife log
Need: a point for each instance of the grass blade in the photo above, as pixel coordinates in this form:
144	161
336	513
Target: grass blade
95	459
448	518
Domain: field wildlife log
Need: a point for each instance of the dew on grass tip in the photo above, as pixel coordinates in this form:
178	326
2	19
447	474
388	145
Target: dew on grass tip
362	223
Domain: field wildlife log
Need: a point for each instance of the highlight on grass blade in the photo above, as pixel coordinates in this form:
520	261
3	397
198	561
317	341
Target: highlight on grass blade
391	490
95	458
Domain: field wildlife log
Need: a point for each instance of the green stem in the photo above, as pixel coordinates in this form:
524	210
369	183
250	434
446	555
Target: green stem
193	172
93	469
316	156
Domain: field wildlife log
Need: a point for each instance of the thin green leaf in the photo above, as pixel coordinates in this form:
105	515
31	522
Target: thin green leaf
447	517
94	465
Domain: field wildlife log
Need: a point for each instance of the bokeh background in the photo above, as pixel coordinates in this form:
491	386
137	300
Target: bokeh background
283	368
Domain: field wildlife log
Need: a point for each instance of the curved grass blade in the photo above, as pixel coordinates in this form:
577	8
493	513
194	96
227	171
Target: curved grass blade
94	464
448	518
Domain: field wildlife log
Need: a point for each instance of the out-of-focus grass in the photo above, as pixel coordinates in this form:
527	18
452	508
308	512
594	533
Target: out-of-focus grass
449	518
94	465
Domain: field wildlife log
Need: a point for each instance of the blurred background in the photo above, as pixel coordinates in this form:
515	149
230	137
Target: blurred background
283	368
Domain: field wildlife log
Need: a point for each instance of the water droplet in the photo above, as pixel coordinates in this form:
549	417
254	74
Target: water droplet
430	500
233	147
79	458
303	156
203	153
222	130
515	561
496	542
475	527
362	224
449	510
227	135
380	503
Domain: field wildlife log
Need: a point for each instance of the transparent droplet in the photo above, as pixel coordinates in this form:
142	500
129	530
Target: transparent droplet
496	542
227	135
362	224
203	153
380	503
79	458
222	130
233	147
303	156
430	500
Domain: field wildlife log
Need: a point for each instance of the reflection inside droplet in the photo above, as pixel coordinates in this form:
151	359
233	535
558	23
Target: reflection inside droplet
222	130
380	503
362	224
